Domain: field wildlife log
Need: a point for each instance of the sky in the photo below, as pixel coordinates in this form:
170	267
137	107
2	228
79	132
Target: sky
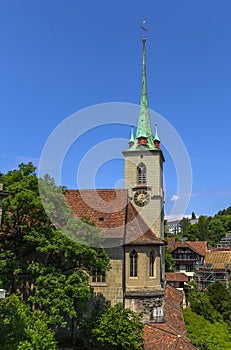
60	57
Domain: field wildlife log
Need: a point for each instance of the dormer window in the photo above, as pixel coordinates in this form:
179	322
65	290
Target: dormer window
141	174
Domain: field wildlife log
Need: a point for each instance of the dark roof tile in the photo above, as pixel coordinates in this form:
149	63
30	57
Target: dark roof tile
199	247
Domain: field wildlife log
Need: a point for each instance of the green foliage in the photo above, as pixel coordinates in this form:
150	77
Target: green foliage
208	320
120	329
169	261
22	329
210	229
200	304
193	216
185	223
206	335
192	233
49	269
220	299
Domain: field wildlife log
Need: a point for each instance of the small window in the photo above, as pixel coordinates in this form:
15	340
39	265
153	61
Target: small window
151	264
98	278
133	263
141	174
189	268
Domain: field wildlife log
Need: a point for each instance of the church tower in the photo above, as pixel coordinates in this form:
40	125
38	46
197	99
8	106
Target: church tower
144	255
134	229
143	165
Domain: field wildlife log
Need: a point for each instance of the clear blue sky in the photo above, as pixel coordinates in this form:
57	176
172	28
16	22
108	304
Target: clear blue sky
60	56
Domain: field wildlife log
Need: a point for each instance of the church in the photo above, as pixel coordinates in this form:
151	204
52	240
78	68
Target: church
131	221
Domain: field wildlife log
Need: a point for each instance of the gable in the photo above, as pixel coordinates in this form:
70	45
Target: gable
198	247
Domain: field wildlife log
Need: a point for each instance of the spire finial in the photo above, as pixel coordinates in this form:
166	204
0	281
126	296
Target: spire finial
144	29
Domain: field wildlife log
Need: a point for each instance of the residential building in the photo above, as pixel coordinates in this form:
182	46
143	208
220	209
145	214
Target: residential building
187	255
174	227
225	241
216	267
176	279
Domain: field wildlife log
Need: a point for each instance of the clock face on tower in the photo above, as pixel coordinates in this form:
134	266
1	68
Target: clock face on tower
141	198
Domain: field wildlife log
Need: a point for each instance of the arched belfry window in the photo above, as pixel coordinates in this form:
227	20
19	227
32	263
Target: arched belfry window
133	263
151	264
141	174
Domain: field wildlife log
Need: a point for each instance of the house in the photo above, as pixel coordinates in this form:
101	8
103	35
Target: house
187	255
176	279
217	267
174	227
225	241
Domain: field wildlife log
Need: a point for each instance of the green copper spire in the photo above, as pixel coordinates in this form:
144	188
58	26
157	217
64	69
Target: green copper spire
144	126
156	137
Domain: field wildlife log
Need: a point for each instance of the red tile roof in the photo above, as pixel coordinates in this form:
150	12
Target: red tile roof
199	247
172	334
111	211
165	337
106	208
176	277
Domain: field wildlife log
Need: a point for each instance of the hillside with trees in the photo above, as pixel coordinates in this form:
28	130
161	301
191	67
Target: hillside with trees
208	319
208	228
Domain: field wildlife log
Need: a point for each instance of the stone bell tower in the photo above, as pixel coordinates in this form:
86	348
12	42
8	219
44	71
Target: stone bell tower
143	175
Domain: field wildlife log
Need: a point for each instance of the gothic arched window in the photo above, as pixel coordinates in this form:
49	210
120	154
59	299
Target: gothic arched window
141	174
133	263
151	264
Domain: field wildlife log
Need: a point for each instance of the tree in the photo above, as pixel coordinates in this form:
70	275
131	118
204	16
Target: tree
220	298
201	305
51	270
185	223
216	230
169	261
119	328
22	329
193	216
192	232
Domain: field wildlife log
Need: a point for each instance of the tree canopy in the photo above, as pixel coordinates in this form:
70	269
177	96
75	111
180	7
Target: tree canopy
50	270
22	329
208	317
119	329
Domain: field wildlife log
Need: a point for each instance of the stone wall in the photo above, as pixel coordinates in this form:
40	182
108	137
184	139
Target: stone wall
112	288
